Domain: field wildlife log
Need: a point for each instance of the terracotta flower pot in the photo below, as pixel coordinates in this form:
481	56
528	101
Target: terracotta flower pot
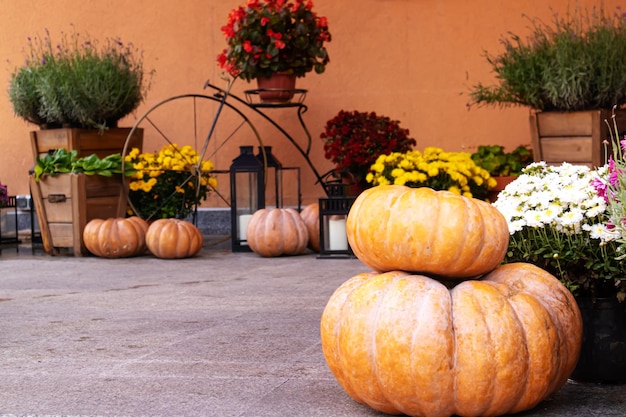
278	88
501	183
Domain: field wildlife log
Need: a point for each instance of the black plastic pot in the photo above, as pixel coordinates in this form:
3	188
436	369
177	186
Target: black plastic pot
603	353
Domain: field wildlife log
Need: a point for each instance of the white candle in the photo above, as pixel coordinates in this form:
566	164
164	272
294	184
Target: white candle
244	219
337	237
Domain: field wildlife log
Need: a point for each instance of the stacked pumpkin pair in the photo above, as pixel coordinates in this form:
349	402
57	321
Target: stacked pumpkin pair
439	328
132	236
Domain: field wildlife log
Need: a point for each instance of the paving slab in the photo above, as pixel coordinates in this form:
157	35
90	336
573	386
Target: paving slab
220	334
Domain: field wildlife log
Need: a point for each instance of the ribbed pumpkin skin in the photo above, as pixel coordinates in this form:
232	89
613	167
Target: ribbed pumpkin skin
116	237
311	216
393	227
173	239
276	232
406	344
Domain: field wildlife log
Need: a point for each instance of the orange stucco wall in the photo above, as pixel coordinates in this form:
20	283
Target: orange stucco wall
412	60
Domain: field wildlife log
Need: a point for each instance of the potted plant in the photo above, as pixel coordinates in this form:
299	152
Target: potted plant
570	73
69	191
161	184
559	221
81	85
503	166
353	140
433	168
268	38
4	195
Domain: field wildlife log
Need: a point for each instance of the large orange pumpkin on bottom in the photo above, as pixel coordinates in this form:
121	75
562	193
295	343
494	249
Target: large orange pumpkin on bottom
173	239
404	343
393	227
116	237
277	231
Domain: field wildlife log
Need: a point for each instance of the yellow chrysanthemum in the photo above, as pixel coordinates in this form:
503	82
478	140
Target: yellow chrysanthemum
146	187
206	166
455	189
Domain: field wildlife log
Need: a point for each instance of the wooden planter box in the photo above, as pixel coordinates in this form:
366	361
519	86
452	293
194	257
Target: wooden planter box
85	141
67	202
574	137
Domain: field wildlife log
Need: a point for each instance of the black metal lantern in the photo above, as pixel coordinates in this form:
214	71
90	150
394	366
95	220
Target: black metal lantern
278	179
333	212
246	195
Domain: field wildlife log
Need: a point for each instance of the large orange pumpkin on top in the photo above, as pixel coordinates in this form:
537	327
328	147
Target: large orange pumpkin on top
393	227
404	343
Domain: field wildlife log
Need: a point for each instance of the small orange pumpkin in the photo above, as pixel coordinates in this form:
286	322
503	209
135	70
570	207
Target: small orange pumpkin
276	232
116	237
393	227
173	239
406	344
311	217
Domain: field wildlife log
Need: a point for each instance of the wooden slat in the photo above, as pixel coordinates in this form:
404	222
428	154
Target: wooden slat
570	149
565	123
57	185
46	238
62	235
98	186
85	141
102	208
58	212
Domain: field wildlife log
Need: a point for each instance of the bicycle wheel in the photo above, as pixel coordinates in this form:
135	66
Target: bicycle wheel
189	143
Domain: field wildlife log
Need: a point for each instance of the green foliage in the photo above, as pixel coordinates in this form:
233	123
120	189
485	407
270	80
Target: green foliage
62	161
500	163
578	63
78	82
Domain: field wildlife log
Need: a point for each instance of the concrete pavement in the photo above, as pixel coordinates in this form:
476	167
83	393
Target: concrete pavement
220	334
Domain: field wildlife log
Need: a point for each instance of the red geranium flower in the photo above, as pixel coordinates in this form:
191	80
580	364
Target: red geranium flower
256	31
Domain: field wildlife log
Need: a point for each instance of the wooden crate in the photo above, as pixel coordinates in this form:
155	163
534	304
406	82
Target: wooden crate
67	202
85	141
576	137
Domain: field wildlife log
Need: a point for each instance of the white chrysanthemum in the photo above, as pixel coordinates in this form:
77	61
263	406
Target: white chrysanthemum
533	218
571	218
600	231
541	199
594	207
516	226
561	197
547	216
